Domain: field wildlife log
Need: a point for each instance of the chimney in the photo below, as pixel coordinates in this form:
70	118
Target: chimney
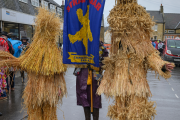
161	9
62	2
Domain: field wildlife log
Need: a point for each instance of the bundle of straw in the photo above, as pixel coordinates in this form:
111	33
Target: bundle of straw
43	62
131	55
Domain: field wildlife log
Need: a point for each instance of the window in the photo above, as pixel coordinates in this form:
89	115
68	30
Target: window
44	4
169	36
35	3
59	11
155	27
26	30
52	8
165	37
172	37
25	1
173	43
165	31
155	37
171	31
12	28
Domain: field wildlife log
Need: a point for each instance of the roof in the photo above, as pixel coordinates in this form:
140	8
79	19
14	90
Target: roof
53	2
172	20
15	5
27	8
178	26
158	17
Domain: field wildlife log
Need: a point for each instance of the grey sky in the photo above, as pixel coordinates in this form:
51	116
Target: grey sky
170	6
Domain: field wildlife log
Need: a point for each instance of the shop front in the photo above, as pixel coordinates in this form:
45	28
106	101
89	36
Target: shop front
17	24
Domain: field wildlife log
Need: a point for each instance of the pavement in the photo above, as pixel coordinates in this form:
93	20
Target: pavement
166	93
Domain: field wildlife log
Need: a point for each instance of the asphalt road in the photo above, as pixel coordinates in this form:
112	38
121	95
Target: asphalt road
166	93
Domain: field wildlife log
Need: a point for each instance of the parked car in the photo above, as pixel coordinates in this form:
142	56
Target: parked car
171	51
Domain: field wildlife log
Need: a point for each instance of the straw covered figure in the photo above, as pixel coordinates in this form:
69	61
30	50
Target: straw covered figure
43	62
131	56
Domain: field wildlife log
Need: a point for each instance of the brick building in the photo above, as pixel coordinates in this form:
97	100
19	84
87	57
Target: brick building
102	30
159	28
172	26
167	25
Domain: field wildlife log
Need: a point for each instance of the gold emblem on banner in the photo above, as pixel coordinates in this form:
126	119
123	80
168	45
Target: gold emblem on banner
81	58
85	32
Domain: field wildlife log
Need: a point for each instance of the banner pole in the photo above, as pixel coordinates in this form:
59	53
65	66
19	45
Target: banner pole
91	93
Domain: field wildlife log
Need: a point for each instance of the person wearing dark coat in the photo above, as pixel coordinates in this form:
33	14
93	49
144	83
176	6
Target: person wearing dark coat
24	47
83	90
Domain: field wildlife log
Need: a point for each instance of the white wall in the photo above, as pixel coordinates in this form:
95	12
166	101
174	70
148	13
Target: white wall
16	17
107	37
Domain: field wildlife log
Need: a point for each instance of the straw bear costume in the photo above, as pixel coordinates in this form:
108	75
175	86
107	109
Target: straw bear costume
43	62
132	54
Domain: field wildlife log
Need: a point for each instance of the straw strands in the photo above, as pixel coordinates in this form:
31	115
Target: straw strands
43	62
45	51
41	100
8	60
131	55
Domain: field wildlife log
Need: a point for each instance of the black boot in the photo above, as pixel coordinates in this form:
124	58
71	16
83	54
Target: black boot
87	113
95	113
0	114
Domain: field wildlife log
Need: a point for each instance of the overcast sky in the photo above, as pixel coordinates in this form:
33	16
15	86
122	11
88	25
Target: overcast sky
170	6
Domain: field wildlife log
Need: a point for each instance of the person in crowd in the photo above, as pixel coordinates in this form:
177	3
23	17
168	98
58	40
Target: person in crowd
12	36
4	47
2	84
83	89
11	70
160	47
153	44
156	42
5	36
24	47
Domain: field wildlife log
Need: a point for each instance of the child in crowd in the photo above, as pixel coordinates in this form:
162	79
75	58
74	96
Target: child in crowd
2	84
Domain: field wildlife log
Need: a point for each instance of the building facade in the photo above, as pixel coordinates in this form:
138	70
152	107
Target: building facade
159	28
167	25
17	16
172	26
102	30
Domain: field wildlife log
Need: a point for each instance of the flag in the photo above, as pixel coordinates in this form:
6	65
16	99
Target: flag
81	33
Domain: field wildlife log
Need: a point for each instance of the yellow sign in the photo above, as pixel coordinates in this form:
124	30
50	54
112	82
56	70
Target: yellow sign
85	32
80	58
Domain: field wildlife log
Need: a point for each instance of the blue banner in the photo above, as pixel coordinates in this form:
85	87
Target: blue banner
81	34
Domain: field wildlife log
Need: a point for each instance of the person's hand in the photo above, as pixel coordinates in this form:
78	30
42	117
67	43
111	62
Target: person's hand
169	67
28	44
